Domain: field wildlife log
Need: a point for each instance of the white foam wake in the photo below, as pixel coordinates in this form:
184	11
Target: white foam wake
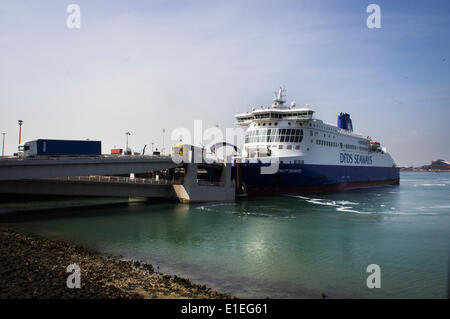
320	201
349	210
428	185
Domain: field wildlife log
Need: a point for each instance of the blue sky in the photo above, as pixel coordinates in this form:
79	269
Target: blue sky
142	66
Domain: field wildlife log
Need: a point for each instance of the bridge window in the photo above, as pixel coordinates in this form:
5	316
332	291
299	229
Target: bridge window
274	135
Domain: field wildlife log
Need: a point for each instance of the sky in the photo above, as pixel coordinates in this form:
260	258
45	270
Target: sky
145	66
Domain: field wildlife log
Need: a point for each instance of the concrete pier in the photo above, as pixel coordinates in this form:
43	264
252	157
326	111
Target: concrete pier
191	191
87	187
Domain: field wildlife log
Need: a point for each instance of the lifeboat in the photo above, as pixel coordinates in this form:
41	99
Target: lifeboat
374	146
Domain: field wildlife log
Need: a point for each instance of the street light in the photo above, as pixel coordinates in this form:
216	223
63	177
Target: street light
127	134
162	151
20	130
3	146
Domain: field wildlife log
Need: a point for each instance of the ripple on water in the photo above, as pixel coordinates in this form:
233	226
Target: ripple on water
350	210
430	185
346	206
440	207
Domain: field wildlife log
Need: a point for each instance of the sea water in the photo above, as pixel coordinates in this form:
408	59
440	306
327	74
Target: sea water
291	246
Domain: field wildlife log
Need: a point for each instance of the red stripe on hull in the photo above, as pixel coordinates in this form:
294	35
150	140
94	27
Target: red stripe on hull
320	189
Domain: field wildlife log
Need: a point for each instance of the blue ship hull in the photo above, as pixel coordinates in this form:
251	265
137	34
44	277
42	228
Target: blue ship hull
312	178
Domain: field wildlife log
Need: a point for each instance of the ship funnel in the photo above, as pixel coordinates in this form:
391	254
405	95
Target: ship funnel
345	122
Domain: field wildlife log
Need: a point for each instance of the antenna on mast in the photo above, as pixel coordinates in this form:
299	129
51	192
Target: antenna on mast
278	100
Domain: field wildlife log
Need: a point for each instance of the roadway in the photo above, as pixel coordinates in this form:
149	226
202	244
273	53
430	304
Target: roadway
49	167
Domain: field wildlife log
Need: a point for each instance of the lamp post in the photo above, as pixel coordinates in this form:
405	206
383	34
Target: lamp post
164	133
20	130
127	134
3	145
152	147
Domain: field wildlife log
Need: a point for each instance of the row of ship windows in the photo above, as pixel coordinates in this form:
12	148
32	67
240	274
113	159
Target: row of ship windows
275	123
347	146
272	138
275	116
274	135
270	124
320	142
279	116
291	162
312	125
351	147
290	135
289	147
301	124
354	147
275	131
327	143
327	128
317	133
280	147
293	135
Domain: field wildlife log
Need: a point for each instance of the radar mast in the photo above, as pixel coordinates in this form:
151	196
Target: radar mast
278	101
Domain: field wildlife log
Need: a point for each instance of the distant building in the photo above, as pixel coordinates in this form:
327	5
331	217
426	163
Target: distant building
440	162
438	165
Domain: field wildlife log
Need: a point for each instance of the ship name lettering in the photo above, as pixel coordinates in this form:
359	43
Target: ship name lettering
347	158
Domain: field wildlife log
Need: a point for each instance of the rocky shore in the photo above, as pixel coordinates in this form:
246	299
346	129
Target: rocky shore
35	267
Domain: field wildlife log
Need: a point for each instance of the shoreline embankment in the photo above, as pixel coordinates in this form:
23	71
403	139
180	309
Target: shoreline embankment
35	267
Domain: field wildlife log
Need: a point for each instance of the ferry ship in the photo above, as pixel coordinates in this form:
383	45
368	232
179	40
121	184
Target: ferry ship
308	154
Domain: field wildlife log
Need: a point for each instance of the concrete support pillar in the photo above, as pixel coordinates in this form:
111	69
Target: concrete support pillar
190	191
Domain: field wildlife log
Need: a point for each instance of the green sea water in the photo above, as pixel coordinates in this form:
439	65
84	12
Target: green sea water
293	246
